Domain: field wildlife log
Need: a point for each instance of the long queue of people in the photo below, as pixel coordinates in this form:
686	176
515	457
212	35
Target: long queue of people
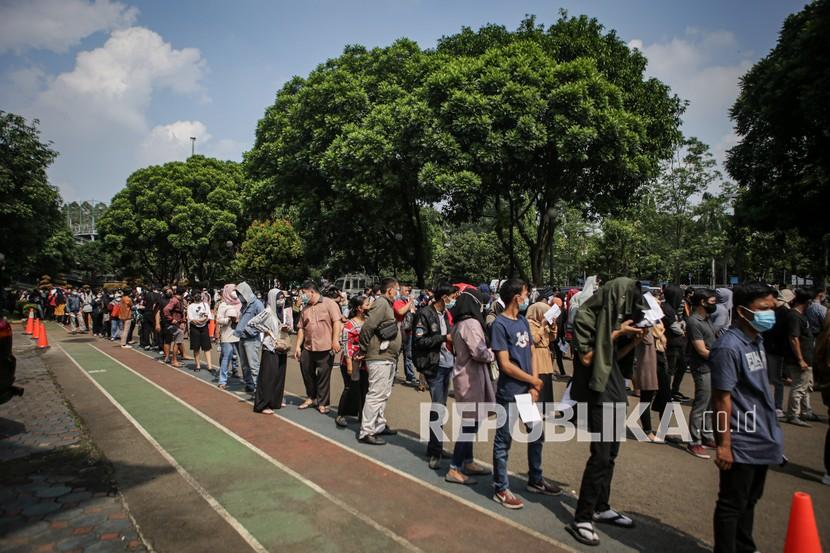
488	346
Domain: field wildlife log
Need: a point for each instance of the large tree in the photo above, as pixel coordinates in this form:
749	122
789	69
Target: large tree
30	213
545	118
346	146
782	119
176	218
271	250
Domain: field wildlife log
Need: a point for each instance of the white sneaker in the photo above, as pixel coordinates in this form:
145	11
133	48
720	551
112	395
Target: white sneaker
826	479
779	414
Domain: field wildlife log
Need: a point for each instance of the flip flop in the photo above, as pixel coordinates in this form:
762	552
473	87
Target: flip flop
618	520
324	410
305	405
583	534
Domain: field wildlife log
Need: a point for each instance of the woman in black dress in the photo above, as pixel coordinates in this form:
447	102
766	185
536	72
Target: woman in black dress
270	384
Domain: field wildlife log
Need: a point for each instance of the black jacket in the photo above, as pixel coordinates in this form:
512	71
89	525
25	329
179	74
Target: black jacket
427	339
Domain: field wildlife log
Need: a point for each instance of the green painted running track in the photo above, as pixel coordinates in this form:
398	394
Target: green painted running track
277	509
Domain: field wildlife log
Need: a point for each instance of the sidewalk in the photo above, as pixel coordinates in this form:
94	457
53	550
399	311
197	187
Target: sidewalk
56	490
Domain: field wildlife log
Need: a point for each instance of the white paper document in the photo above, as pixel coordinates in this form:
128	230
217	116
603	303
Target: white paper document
552	314
528	411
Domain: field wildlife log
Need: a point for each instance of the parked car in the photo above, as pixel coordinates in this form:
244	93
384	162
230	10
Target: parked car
8	364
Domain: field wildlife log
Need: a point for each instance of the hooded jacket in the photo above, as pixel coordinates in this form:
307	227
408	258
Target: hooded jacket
721	319
251	307
673	320
597	318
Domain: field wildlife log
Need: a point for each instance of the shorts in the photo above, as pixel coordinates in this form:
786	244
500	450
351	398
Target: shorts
199	338
173	335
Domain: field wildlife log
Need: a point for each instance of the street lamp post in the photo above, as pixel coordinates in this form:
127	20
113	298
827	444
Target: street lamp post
192	145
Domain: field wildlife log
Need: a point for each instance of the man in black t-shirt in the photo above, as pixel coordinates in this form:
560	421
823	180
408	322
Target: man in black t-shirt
799	359
776	346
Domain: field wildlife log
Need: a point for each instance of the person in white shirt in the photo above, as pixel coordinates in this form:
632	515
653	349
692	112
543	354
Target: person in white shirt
198	316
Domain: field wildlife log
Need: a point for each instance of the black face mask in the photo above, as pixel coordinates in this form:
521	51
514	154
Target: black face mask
710	307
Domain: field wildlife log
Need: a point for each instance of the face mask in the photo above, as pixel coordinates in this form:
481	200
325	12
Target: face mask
710	308
397	296
304	299
524	305
451	304
761	320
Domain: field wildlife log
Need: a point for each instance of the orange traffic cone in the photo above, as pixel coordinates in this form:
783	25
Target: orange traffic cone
211	328
42	342
30	322
802	534
36	331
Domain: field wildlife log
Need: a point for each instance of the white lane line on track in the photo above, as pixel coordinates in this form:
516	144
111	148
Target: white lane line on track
343	505
249	539
432	487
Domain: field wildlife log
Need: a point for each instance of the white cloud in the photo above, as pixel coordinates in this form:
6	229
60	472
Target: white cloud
172	142
58	24
703	67
114	84
96	113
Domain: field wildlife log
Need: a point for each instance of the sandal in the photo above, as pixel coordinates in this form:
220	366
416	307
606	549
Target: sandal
583	532
306	404
324	410
614	518
222	387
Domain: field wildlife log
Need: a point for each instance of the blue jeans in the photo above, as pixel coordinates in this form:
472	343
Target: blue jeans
439	389
501	448
226	352
408	365
249	355
117	328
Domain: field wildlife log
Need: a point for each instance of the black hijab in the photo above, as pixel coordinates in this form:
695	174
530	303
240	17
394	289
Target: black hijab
469	305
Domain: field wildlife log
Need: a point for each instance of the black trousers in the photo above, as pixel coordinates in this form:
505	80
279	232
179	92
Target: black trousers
676	367
354	393
270	382
595	490
147	330
740	489
560	363
316	369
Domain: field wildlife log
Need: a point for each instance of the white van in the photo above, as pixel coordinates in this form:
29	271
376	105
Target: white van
355	284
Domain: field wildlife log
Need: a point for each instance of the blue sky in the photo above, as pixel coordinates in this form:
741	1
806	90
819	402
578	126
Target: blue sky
120	85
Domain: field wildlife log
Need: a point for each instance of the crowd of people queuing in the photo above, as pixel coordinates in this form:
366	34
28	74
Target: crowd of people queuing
486	344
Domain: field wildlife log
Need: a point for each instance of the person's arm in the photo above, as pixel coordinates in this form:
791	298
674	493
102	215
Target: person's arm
337	328
795	345
298	347
404	308
701	349
473	337
514	371
794	330
424	339
722	405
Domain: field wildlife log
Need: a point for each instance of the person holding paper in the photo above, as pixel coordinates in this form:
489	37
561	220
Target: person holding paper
605	329
511	342
543	334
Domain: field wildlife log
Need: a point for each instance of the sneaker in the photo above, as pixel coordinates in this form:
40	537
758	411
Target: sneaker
826	479
797	422
128	346
434	462
544	488
812	417
710	444
508	500
341	421
698	451
371	440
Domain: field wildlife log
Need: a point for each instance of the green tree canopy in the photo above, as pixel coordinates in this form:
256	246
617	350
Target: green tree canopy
781	116
271	250
30	212
176	218
516	120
